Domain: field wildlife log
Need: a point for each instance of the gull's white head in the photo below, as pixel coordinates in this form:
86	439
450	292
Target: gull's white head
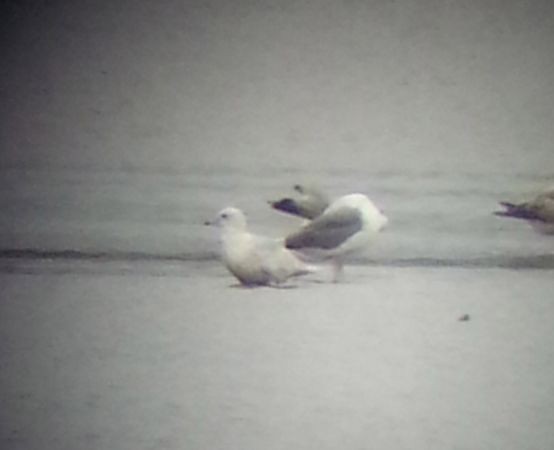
229	218
372	216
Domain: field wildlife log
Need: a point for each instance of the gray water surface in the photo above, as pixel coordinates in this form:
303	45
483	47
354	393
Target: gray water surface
435	219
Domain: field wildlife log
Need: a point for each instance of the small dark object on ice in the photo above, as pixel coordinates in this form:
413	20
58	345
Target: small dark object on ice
464	318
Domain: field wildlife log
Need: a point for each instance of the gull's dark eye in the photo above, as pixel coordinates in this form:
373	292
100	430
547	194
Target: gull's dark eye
224	215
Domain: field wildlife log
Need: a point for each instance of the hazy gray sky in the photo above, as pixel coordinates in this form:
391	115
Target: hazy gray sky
174	84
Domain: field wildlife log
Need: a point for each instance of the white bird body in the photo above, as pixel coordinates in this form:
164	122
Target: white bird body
373	220
252	259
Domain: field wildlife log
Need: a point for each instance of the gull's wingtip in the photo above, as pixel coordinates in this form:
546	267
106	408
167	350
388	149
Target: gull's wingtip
516	211
286	205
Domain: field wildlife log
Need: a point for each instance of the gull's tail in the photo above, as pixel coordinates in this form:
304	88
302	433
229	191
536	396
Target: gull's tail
517	211
287	205
309	204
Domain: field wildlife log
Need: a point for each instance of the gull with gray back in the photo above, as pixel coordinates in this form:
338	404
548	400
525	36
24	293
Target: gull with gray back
346	227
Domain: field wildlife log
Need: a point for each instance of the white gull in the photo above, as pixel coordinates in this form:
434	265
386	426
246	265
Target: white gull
252	259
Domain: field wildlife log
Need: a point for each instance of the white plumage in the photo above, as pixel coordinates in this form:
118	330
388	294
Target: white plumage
252	259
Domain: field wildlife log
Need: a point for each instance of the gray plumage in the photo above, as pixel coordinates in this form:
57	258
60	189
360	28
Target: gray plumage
345	227
327	231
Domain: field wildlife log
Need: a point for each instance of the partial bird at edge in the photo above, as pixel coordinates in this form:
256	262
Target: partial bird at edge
538	212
